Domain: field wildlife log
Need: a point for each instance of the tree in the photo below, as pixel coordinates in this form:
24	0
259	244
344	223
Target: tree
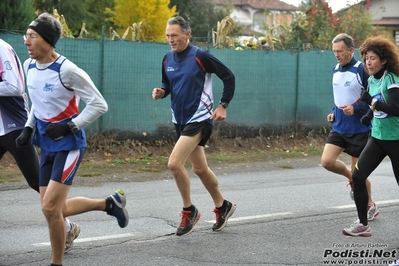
314	24
96	17
16	15
77	12
74	11
202	17
357	22
317	25
152	14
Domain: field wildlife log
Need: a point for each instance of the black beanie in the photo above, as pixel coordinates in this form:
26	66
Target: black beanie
46	30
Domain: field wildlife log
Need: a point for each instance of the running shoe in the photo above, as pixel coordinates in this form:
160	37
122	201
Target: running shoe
71	236
372	211
188	220
351	191
118	210
222	215
357	229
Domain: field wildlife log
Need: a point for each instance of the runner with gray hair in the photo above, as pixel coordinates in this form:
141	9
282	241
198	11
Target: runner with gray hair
187	77
348	133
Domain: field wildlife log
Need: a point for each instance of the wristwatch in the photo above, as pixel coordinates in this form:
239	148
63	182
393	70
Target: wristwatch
224	104
72	126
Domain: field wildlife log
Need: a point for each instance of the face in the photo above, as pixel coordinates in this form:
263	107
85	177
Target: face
38	48
373	63
177	40
342	53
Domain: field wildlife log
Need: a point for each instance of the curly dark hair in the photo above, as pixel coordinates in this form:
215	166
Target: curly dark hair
385	49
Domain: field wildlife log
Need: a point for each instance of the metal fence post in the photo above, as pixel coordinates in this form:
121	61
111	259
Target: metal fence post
101	85
298	46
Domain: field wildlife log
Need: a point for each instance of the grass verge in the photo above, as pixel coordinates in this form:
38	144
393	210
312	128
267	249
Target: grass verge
111	156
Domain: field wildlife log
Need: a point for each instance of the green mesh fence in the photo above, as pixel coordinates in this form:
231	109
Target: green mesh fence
276	91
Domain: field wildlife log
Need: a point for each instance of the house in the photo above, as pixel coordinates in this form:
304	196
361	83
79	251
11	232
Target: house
257	15
385	16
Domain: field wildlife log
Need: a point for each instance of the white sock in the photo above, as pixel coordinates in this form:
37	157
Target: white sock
67	225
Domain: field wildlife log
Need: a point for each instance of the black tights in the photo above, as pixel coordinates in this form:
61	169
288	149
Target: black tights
26	158
371	156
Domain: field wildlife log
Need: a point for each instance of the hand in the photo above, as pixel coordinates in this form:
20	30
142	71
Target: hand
366	120
219	114
348	109
24	138
366	97
57	131
158	93
330	117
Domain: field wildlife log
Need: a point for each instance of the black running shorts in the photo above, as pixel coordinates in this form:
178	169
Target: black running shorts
192	129
352	143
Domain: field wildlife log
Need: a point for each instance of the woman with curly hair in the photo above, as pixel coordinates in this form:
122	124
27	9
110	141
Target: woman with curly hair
381	59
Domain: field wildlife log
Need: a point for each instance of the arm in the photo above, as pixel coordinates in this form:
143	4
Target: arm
12	81
331	116
363	76
31	117
78	80
165	81
391	108
366	119
23	139
360	106
212	65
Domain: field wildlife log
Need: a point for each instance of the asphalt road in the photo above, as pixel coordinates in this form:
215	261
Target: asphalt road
283	217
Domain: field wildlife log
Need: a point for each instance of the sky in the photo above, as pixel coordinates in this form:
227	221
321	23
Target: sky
334	4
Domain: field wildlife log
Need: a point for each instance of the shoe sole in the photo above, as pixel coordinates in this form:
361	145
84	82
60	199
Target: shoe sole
365	234
126	217
196	221
231	212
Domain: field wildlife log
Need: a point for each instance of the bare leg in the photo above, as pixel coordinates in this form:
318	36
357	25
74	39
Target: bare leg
80	205
329	160
207	176
180	153
55	207
53	199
